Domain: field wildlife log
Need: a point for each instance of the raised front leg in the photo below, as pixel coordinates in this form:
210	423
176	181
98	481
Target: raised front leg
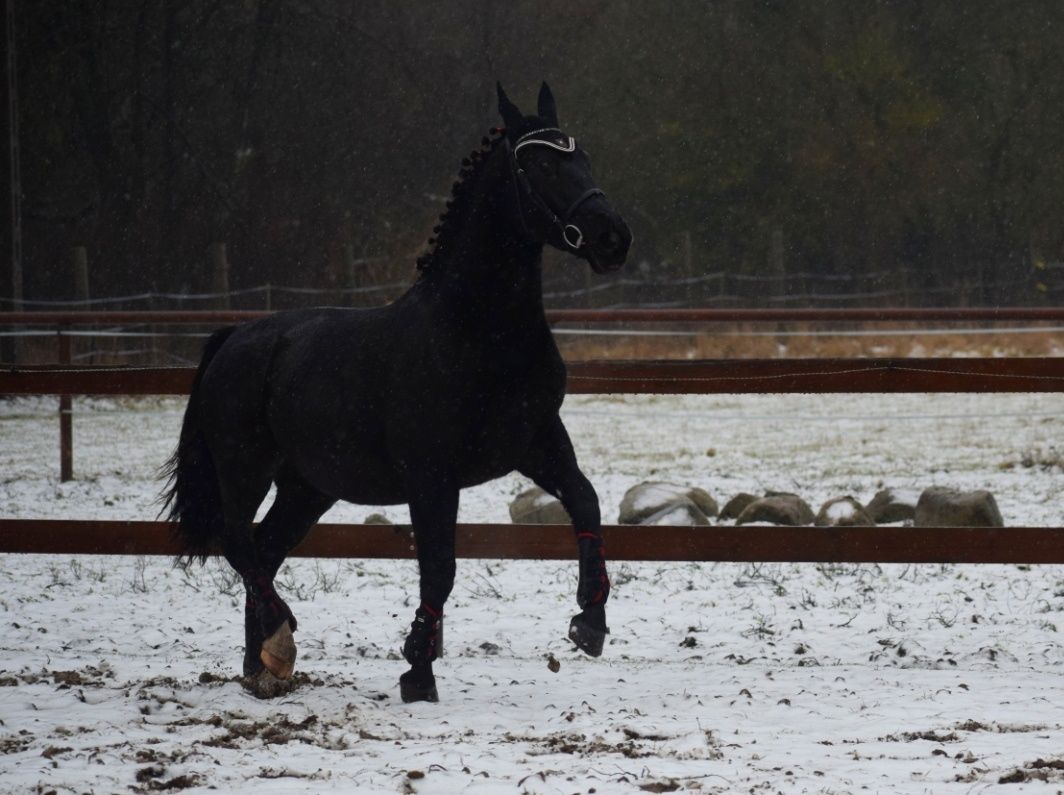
551	464
433	512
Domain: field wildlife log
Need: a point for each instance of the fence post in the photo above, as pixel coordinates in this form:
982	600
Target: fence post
777	266
81	273
351	280
688	268
66	430
220	274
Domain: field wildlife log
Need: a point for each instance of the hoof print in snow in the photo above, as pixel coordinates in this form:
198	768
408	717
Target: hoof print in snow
655	502
891	505
736	505
843	512
535	506
785	509
939	507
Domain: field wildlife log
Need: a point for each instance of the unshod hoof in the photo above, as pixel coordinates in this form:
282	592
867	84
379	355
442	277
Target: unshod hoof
417	685
588	630
278	652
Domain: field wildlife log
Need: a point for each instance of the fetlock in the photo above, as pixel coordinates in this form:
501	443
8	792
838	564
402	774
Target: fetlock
270	609
420	645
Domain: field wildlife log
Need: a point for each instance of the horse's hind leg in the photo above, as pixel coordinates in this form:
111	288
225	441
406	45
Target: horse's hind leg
268	621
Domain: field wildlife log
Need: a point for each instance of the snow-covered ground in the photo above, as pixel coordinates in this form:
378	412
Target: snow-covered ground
118	674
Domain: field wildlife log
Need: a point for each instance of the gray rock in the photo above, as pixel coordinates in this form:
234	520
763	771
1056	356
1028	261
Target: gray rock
535	506
939	507
892	505
646	499
378	518
787	509
684	513
736	504
843	512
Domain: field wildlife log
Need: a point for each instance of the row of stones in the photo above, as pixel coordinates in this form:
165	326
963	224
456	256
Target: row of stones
659	503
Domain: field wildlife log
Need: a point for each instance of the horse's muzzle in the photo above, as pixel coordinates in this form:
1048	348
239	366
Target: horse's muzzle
607	239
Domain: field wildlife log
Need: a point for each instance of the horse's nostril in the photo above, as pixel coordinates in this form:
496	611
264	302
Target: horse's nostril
611	240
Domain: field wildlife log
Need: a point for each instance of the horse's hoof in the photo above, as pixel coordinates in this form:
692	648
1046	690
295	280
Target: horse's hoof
588	630
417	686
278	652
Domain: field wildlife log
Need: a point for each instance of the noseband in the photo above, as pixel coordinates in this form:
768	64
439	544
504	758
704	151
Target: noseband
570	232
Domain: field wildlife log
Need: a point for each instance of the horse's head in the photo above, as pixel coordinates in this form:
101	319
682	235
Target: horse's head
559	201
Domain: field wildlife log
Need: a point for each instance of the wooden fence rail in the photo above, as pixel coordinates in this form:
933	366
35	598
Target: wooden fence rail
748	543
683	377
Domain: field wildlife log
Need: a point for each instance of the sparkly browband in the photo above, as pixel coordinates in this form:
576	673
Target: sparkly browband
561	142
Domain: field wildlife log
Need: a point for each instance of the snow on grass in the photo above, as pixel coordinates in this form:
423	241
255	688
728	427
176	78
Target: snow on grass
118	674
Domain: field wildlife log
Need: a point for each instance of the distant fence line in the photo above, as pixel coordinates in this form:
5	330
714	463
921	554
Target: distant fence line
716	288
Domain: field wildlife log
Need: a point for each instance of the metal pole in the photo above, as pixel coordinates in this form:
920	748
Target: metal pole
66	425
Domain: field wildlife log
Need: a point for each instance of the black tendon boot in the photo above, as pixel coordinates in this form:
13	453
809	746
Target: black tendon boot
252	639
588	628
419	683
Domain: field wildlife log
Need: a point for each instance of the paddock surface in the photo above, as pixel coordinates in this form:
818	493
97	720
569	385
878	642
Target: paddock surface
117	673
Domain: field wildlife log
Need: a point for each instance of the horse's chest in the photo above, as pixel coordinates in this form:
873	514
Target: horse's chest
500	426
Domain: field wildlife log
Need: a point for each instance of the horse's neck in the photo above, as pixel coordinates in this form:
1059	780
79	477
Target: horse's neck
490	275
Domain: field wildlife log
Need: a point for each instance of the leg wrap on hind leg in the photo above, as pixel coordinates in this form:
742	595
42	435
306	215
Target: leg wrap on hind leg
270	609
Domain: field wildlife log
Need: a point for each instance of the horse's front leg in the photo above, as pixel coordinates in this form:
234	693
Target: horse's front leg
433	512
551	464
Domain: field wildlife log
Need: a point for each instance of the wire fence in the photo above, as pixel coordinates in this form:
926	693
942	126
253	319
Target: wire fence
1039	284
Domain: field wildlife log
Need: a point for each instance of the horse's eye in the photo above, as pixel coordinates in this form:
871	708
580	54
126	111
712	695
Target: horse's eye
546	165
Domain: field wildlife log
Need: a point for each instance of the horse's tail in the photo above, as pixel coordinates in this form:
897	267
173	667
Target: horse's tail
192	496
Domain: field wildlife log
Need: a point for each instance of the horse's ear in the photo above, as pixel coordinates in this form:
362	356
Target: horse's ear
548	111
511	116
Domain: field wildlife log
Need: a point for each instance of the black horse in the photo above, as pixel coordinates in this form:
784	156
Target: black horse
455	383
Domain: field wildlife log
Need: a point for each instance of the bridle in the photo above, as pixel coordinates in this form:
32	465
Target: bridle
566	144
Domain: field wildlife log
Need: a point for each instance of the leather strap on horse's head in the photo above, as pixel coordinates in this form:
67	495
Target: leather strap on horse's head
561	232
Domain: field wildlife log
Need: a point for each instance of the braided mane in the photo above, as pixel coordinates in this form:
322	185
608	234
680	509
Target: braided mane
458	206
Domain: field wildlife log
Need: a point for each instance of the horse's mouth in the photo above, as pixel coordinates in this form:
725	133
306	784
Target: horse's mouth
604	264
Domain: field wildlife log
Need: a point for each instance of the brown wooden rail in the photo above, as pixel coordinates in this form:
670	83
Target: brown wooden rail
623	542
705	377
859	314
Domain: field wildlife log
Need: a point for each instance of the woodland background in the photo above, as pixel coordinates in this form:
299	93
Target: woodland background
783	145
